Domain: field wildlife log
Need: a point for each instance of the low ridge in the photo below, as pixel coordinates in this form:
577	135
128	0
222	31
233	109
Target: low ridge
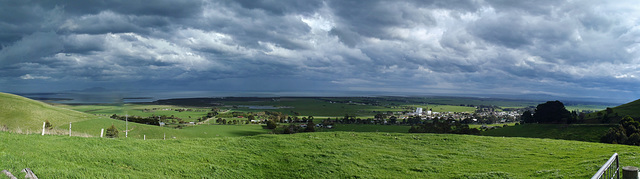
632	109
26	115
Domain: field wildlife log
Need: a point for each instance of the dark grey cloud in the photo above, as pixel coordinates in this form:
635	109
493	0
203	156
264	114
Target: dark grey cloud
560	48
281	7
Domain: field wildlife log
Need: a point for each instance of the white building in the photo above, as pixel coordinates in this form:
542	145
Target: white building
419	111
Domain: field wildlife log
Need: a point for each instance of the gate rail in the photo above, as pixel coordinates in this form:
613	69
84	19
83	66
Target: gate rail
609	170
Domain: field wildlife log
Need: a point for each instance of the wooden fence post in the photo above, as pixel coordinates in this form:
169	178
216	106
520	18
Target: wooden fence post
43	124
630	172
69	129
102	133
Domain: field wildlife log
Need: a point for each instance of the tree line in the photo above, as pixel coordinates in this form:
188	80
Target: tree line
552	112
449	126
626	132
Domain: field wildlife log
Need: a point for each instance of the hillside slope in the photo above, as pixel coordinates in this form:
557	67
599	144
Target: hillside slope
632	109
309	155
579	132
18	113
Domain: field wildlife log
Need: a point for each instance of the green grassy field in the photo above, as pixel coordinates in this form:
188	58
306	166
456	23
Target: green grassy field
586	107
580	132
630	109
367	128
456	101
445	108
248	151
139	110
22	114
314	107
359	106
488	125
93	127
309	155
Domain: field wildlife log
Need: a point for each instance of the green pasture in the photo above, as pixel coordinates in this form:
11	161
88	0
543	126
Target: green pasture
313	107
445	108
309	155
630	109
94	126
21	114
457	101
366	128
580	132
580	108
491	125
139	110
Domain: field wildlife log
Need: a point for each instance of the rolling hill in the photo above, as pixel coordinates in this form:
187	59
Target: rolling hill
309	155
632	109
20	114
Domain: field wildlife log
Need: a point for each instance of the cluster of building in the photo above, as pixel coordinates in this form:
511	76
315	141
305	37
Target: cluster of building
481	116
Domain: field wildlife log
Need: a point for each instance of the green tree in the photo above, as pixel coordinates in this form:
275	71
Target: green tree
527	117
615	135
271	124
112	132
634	139
551	112
310	125
609	110
47	124
627	132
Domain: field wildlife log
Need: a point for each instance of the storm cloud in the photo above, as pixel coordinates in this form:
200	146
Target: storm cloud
560	48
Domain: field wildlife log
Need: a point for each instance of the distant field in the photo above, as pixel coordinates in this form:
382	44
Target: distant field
586	107
457	101
314	107
309	155
359	106
93	127
580	132
138	110
367	128
488	125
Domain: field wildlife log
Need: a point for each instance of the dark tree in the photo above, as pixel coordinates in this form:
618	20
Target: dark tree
527	117
551	112
627	132
615	135
271	124
112	132
310	126
609	110
47	124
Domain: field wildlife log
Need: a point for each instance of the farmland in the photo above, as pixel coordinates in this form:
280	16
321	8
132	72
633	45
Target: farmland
242	150
580	132
309	155
139	131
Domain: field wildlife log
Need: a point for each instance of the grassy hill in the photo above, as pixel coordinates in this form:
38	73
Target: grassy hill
632	109
92	127
309	155
580	132
22	114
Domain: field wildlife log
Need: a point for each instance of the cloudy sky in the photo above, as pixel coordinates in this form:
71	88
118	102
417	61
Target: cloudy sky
585	49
